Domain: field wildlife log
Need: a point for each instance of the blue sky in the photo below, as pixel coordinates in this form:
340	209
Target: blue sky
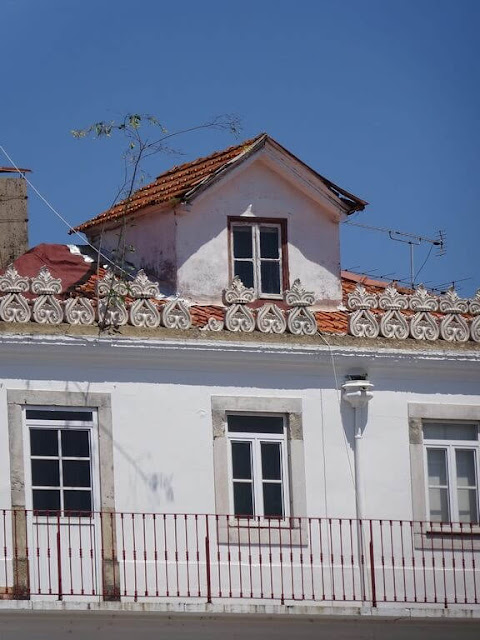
381	96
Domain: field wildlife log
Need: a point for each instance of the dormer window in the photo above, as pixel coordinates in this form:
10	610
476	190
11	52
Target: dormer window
258	255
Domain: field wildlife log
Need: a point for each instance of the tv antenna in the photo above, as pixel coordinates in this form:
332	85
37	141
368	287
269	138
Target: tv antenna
413	240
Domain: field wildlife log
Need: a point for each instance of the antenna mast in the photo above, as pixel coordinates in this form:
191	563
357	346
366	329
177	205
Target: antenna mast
412	239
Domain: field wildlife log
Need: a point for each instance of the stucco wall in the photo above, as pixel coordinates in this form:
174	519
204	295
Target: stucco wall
149	245
162	419
255	190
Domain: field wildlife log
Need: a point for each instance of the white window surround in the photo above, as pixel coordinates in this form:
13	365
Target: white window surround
266	529
18	401
257	260
434	533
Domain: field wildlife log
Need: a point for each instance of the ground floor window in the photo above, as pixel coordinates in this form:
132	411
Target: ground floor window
452	471
258	471
61	460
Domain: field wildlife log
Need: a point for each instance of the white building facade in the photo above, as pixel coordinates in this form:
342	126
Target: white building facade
230	453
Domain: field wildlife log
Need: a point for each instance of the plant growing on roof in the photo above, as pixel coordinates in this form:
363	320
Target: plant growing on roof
136	130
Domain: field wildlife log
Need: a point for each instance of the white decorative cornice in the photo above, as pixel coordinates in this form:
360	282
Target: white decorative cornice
270	319
298	296
360	298
142	287
12	282
238	293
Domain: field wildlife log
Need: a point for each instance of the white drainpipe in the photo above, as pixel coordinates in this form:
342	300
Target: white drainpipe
358	393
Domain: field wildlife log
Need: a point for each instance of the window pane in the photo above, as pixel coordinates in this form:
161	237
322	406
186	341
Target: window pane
437	467
46	500
48	414
255	424
44	442
467	505
270	273
439	511
271	461
75	444
45	473
76	473
272	500
450	431
465	459
269	242
244	270
242	242
243	498
241	460
77	501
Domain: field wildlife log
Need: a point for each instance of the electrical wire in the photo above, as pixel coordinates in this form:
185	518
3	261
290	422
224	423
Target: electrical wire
59	215
423	264
339	400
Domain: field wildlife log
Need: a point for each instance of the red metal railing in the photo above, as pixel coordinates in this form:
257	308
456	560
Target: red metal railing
139	556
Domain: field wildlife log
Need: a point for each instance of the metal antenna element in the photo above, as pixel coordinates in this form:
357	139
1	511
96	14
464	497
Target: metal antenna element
413	240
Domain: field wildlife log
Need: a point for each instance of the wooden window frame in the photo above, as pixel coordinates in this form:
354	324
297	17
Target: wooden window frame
284	270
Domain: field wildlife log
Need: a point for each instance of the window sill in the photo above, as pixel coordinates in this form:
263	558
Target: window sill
263	531
452	530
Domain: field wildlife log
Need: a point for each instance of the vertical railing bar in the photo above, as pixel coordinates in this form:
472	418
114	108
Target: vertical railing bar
444	566
300	525
59	559
352	558
229	555
165	539
145	565
175	533
260	560
124	554
134	543
342	565
414	566
155	552
219	564
372	568
207	560
197	555
332	558
310	555
405	598
187	555
92	561
69	523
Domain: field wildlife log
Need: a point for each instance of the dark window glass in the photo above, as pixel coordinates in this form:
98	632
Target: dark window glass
270	273
46	414
46	500
242	242
255	424
75	444
241	460
272	500
76	473
74	501
243	499
268	242
45	473
44	442
244	270
271	466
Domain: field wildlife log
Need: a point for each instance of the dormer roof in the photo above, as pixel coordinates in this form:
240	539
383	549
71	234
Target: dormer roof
183	182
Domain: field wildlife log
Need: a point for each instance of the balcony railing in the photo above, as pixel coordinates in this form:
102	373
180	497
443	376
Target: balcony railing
139	556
